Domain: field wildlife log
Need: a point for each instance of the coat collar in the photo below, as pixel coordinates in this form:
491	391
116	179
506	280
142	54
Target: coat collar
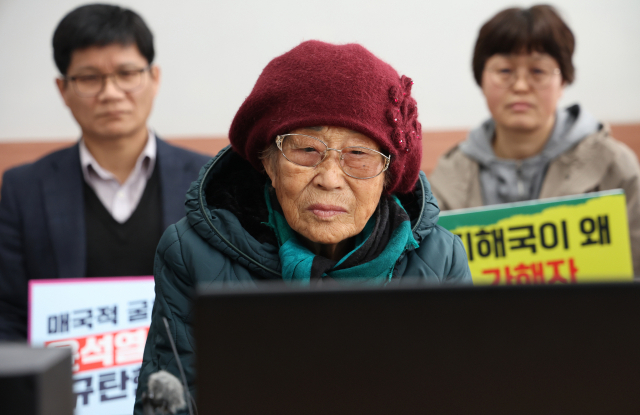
62	188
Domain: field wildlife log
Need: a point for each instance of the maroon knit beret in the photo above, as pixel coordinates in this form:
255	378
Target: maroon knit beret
317	84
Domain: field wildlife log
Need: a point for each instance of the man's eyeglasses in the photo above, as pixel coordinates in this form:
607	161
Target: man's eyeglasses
356	162
537	78
126	80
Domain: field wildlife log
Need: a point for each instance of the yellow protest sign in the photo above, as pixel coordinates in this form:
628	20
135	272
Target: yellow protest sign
576	239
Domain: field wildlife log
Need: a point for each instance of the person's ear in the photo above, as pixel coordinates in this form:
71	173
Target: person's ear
483	84
560	91
154	74
267	163
63	88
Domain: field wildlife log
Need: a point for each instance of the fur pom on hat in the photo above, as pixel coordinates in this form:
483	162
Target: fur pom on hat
320	84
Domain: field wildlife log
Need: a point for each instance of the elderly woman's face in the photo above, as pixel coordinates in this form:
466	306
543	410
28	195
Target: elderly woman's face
322	203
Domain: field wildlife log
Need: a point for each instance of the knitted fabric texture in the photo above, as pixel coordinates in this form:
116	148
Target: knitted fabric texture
320	84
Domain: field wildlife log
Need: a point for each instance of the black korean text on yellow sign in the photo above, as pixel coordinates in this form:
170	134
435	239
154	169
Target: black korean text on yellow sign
563	240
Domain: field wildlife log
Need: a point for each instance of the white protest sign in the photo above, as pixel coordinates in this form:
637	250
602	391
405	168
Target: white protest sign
105	322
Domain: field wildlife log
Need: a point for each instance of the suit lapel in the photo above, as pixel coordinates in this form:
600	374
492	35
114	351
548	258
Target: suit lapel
62	188
172	179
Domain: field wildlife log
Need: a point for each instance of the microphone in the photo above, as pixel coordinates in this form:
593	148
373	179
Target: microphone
164	393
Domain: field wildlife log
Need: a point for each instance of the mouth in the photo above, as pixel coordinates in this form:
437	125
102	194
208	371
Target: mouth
520	106
112	114
326	211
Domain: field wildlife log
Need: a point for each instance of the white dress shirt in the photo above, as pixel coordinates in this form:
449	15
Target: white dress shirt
120	200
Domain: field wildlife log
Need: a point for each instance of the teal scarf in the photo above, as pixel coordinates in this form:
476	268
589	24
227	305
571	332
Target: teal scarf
384	238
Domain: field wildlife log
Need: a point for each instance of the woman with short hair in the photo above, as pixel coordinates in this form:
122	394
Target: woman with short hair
530	148
343	199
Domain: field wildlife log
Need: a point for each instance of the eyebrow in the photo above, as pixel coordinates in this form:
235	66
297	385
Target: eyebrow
534	55
120	66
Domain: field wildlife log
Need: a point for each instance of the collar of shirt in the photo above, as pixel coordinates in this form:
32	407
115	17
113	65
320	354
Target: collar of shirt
98	172
120	200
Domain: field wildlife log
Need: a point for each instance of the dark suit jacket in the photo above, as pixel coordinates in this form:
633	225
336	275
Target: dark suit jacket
42	226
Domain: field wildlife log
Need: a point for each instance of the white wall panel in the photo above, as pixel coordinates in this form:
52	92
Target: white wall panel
211	53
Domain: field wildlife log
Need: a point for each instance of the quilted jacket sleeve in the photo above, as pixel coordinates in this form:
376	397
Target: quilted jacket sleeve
440	259
175	290
459	272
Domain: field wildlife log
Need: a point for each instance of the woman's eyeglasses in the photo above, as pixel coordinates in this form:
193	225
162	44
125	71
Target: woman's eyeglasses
357	162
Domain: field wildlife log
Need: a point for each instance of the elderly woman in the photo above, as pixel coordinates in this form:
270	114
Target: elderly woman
335	130
530	148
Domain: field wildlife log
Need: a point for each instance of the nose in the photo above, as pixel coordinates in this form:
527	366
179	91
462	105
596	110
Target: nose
329	173
109	89
521	83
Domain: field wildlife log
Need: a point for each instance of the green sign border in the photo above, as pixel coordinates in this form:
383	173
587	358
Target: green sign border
488	215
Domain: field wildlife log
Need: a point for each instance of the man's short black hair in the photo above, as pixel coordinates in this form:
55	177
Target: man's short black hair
99	25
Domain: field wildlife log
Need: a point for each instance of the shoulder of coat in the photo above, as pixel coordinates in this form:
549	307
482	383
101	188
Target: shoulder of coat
454	158
601	149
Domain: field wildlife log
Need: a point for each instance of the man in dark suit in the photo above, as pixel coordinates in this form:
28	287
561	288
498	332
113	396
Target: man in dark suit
97	208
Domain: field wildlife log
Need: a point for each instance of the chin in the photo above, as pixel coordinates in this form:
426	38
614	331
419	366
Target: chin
325	237
116	131
522	124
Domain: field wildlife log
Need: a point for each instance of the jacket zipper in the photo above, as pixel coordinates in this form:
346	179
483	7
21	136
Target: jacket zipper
520	183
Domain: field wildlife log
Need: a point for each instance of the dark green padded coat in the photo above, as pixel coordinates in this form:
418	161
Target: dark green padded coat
222	239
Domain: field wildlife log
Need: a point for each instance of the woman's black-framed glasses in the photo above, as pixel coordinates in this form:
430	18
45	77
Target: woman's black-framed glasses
357	162
90	85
